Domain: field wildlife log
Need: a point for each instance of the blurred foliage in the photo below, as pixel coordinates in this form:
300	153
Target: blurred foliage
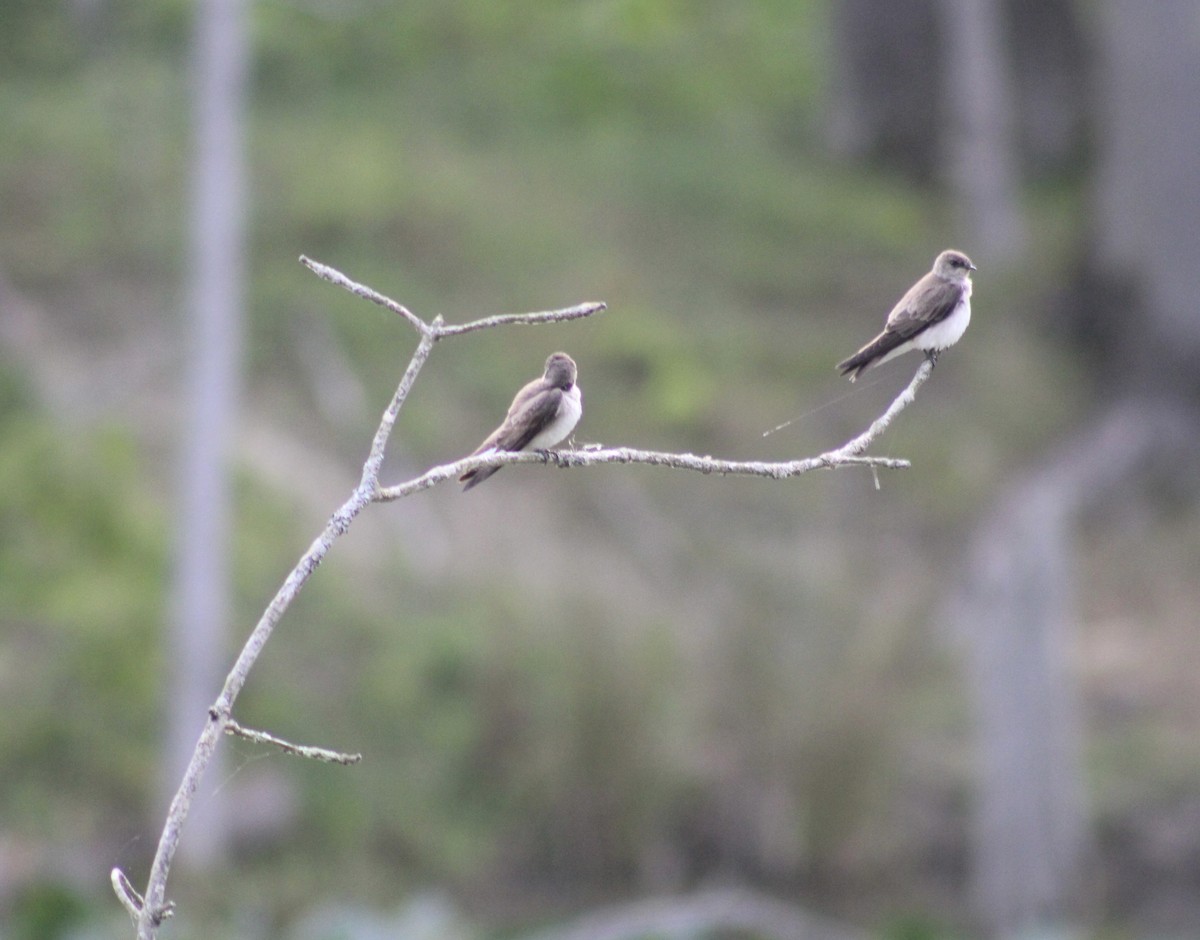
46	912
472	158
81	579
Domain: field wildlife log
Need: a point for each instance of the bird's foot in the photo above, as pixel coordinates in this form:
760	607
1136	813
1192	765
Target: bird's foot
932	356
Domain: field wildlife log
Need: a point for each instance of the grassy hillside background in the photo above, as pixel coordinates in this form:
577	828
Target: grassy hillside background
569	686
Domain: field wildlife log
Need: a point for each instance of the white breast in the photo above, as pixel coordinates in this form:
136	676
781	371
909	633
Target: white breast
569	413
949	331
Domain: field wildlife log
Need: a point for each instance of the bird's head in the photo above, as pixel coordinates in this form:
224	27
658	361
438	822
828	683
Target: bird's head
561	370
953	264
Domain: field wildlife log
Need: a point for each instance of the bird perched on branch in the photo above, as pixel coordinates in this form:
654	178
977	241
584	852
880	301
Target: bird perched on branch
932	316
544	412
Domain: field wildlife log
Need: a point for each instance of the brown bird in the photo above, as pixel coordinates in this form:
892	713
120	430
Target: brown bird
932	316
544	412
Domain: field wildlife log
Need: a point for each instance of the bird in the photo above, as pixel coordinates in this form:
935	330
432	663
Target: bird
543	413
932	316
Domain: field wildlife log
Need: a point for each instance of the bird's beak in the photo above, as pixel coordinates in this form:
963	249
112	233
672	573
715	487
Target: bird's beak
971	267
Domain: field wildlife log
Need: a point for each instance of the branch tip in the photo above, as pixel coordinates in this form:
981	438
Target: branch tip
857	445
165	912
337	278
299	750
127	894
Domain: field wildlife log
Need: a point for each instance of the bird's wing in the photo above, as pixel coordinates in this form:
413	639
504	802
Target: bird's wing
524	395
927	302
533	408
523	423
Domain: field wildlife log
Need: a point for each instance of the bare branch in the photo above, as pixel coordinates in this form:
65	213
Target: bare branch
219	714
333	276
780	470
126	894
370	474
155	908
523	319
299	750
879	425
149	913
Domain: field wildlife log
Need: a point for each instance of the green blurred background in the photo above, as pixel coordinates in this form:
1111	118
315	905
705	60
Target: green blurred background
581	688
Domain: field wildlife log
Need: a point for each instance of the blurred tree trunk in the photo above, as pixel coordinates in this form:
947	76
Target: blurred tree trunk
1050	70
1015	610
965	91
213	342
1147	190
980	133
885	96
926	85
1135	307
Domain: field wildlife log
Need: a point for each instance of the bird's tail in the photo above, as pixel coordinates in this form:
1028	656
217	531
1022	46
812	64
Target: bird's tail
866	357
475	477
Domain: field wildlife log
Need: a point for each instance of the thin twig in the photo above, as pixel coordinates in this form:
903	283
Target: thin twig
334	276
127	894
299	750
879	425
370	474
522	319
